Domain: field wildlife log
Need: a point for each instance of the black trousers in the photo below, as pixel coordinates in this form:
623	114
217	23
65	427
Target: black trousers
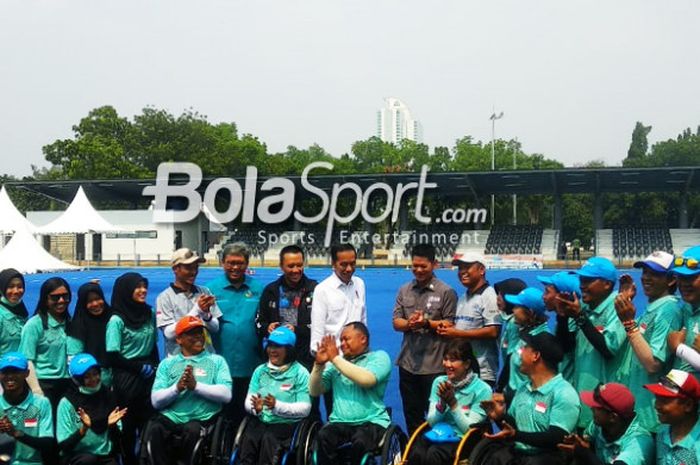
54	390
90	459
235	410
263	444
134	393
415	393
508	456
362	438
425	452
171	442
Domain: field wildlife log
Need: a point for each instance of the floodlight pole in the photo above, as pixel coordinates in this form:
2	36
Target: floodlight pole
493	119
515	196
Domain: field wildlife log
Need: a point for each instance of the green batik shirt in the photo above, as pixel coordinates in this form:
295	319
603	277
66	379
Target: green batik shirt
289	386
691	322
33	417
46	347
684	452
555	403
661	317
130	343
516	378
189	405
68	422
634	447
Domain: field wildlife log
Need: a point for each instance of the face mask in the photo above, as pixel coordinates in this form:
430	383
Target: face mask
90	390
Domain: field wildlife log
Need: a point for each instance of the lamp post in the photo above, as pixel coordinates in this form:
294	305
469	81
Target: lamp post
493	119
515	196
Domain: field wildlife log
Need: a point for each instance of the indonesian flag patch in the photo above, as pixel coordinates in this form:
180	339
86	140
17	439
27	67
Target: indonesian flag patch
600	328
199	372
31	423
466	408
541	407
286	387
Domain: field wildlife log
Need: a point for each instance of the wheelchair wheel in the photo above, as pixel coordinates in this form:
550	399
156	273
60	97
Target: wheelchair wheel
414	437
392	445
469	441
481	454
304	442
236	443
219	450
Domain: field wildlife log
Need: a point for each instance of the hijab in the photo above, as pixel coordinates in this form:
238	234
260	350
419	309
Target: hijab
19	308
42	308
89	328
510	286
134	314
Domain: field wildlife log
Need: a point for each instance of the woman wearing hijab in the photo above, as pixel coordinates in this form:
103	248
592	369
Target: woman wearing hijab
509	330
88	328
132	353
13	312
87	418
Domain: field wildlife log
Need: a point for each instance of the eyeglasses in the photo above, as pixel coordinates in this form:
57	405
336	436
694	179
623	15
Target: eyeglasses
235	264
672	386
57	297
691	263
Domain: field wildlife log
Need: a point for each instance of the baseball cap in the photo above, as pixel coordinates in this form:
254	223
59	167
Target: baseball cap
81	363
14	360
612	396
529	297
185	256
676	383
689	263
468	258
442	433
546	344
282	336
598	267
187	323
563	281
658	261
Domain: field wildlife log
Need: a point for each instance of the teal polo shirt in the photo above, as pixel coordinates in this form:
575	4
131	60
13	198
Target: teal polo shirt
33	417
68	422
291	386
10	330
237	340
634	447
590	366
468	410
355	405
46	348
130	343
555	403
188	406
691	322
661	316
509	336
515	377
684	452
75	346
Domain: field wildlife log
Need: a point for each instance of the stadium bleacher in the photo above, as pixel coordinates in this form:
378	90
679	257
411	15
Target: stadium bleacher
640	241
520	239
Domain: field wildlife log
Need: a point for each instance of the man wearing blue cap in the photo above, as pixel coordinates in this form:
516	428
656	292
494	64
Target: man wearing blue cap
645	354
686	343
24	416
600	334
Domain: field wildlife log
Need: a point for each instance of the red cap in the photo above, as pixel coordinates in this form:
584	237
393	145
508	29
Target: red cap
187	323
614	397
676	383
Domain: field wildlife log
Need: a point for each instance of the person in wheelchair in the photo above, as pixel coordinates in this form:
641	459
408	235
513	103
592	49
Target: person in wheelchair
543	411
278	397
455	405
87	417
358	379
189	391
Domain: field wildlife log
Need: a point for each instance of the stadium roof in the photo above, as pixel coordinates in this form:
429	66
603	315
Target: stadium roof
449	185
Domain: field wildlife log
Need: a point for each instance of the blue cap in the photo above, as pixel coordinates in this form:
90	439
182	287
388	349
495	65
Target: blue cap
530	298
598	267
80	364
14	360
282	336
442	433
691	255
563	281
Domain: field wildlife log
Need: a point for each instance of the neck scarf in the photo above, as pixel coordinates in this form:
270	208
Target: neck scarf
464	382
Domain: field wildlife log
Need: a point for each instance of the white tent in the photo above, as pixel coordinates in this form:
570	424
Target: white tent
26	255
11	219
79	218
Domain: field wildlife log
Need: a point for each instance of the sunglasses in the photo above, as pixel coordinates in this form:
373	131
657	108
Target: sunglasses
691	263
672	386
57	297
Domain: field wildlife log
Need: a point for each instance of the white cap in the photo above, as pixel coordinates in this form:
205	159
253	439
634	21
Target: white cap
185	256
469	257
658	261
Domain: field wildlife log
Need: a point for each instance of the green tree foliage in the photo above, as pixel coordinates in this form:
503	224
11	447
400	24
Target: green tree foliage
639	146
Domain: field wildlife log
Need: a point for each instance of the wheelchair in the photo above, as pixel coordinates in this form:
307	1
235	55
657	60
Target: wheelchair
470	440
300	448
389	450
212	448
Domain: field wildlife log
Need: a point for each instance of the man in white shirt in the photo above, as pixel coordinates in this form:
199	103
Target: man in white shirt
339	299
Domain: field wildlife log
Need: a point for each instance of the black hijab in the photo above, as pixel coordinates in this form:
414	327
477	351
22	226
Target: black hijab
511	286
134	314
5	277
88	328
42	308
97	405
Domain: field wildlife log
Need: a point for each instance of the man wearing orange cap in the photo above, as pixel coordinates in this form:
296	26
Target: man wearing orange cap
616	434
677	397
190	389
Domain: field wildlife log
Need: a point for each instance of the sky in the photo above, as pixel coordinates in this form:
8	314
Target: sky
572	77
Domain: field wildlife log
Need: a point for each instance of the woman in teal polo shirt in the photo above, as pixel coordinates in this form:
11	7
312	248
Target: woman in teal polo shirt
13	312
278	397
133	355
87	418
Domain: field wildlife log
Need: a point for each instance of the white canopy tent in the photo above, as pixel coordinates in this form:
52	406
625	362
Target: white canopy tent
26	255
79	218
11	219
